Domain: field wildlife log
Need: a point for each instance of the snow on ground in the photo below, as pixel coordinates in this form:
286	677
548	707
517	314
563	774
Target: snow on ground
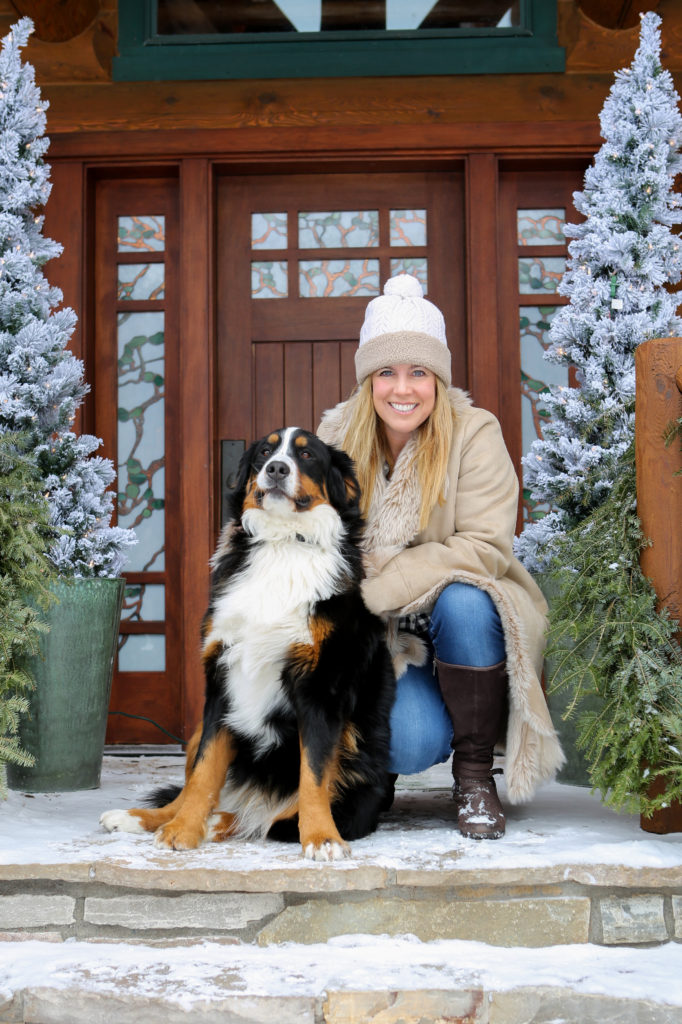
562	825
186	975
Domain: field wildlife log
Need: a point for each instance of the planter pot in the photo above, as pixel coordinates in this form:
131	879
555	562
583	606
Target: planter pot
65	727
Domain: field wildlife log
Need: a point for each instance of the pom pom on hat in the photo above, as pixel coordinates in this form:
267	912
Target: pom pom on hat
401	326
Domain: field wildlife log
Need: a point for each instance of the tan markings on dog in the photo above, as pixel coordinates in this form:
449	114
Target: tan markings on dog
273	438
304	657
211	650
301	441
151	818
253	497
315	821
317	493
289	811
352	488
348	749
223	825
201	794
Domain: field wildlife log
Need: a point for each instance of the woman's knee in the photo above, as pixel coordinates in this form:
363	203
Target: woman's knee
466	627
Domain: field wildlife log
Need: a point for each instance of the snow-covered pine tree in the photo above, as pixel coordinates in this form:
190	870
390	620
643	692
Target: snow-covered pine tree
41	382
620	260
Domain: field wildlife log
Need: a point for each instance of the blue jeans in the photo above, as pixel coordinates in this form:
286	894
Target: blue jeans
465	630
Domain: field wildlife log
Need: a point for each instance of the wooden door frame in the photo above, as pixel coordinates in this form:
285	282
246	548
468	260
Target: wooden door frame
79	158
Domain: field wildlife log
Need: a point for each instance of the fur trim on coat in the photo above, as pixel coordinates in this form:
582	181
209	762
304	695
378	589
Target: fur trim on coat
468	540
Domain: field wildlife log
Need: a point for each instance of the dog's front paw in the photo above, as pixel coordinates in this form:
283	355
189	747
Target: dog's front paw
120	821
177	835
326	850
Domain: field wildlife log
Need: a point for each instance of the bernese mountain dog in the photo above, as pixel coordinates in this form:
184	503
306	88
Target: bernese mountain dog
294	740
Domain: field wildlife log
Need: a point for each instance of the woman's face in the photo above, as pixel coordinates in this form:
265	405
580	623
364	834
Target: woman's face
404	396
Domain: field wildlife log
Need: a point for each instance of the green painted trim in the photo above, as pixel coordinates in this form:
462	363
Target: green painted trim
144	56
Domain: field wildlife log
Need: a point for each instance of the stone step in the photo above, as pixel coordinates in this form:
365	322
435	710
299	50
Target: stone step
356	979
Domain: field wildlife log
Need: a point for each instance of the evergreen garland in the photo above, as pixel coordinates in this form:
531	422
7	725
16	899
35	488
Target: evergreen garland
608	639
24	573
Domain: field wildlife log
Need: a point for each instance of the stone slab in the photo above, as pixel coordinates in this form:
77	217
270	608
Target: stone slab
677	915
189	910
561	1006
633	919
28	911
433	1006
516	922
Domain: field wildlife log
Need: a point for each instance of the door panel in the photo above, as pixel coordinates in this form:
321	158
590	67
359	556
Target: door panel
299	257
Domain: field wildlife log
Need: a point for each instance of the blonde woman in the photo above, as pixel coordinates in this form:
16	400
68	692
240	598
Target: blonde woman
466	622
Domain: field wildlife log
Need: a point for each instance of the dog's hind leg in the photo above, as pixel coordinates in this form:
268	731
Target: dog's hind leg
149	819
200	795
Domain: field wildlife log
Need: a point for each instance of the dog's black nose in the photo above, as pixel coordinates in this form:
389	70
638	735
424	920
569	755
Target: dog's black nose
276	471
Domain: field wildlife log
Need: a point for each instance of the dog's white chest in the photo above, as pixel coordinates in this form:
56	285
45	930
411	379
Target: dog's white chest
263	611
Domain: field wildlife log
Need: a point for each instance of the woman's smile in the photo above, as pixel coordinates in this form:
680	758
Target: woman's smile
404	396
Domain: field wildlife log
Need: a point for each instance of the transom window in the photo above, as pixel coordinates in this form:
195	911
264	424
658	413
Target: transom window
202	39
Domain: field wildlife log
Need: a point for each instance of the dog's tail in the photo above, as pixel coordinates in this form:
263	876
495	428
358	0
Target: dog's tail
162	796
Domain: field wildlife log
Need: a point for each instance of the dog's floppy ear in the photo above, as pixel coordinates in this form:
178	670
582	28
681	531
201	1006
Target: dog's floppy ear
344	490
236	490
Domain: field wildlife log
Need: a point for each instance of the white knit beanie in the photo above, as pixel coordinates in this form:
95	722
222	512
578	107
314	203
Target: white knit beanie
401	326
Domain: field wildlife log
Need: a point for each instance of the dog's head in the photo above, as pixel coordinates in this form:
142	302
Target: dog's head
290	472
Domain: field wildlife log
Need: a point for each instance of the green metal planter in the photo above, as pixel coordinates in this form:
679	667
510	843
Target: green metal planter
67	721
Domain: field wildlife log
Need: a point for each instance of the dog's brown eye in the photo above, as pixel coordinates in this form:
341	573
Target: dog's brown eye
266	451
305	454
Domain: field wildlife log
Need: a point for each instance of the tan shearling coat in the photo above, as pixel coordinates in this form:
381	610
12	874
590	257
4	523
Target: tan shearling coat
468	539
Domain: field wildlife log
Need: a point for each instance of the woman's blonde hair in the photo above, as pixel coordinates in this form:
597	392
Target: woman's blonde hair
366	443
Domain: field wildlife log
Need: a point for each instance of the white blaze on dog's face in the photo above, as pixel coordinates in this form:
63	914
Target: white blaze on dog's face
278	479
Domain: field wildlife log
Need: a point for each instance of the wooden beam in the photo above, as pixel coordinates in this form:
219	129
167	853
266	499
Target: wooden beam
481	235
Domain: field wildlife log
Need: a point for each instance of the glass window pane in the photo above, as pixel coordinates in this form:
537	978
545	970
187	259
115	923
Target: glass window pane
144	601
338	229
141	436
408	227
140	281
540	274
139	234
268	230
269	280
333	278
541	227
418	267
142	652
536	377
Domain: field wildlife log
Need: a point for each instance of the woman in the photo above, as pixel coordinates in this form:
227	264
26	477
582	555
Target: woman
465	620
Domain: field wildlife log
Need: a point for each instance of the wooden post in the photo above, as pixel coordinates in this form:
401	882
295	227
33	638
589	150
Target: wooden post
659	497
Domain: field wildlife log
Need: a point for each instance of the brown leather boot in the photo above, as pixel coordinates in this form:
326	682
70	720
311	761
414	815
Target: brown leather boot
476	699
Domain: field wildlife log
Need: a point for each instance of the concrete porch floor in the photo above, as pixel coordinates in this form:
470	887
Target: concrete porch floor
576	915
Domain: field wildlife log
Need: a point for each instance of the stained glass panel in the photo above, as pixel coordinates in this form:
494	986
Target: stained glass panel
144	601
269	279
142	652
408	227
140	281
333	278
338	229
541	227
141	436
269	231
417	267
536	377
540	274
140	234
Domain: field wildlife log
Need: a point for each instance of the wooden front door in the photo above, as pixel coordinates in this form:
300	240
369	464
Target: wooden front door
298	259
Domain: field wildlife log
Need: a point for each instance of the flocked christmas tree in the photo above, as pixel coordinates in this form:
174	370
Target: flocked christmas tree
41	382
621	258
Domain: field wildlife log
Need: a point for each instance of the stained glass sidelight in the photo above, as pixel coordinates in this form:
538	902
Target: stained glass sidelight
140	281
338	229
333	278
541	227
540	273
141	441
140	234
144	602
